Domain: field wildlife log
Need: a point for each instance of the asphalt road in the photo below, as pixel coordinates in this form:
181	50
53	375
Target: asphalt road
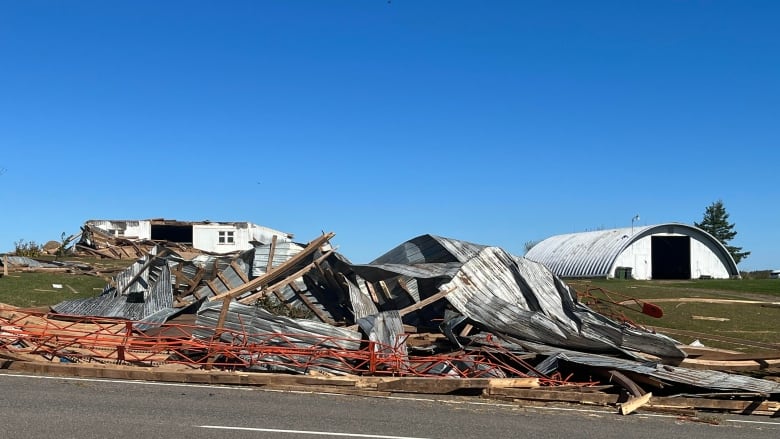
54	408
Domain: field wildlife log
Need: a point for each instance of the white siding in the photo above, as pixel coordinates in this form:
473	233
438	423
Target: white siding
599	253
139	229
206	236
705	262
638	256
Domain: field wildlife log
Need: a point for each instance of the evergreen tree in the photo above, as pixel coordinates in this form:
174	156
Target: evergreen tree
716	223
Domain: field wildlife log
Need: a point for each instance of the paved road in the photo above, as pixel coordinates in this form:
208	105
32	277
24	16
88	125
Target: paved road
48	407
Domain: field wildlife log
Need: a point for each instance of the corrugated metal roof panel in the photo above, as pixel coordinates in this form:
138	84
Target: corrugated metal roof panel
135	304
707	379
283	251
429	249
588	254
524	299
253	324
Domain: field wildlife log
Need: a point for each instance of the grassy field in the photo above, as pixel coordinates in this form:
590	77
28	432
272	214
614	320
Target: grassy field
30	289
711	311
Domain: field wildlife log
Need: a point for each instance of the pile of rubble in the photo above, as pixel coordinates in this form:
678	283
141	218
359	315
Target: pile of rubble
433	315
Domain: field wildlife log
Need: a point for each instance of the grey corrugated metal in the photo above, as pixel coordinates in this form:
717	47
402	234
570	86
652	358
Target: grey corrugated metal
23	261
362	305
283	251
592	254
522	298
385	328
707	379
252	324
377	272
429	249
134	304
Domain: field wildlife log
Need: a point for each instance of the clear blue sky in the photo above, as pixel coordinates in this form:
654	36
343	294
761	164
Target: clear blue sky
496	122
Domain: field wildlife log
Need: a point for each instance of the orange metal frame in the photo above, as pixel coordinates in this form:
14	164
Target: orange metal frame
101	340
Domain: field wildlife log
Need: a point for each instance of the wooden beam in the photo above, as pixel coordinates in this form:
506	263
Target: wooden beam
142	269
448	385
372	292
224	280
309	304
385	291
286	281
271	252
239	271
632	404
278	271
426	302
218	329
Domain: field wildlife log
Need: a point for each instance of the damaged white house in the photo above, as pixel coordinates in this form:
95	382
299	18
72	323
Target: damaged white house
208	236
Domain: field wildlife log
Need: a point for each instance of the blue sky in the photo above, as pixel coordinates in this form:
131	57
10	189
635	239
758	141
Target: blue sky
497	122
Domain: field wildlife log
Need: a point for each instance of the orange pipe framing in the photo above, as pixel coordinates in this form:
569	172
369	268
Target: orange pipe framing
117	341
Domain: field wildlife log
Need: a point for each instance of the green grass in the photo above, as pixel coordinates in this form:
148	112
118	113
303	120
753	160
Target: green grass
748	322
31	289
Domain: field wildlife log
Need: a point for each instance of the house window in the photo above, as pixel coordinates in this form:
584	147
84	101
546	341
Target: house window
226	237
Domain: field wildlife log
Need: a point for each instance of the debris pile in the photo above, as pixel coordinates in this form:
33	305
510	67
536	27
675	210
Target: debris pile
433	315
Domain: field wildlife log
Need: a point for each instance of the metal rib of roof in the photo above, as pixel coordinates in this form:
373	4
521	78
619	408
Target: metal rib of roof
592	254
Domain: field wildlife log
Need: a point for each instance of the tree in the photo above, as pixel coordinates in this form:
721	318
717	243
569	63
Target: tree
716	223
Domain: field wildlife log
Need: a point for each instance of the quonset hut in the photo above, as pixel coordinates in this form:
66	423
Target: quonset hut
662	251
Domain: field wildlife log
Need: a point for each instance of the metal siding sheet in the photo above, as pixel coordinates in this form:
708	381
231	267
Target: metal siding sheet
524	299
708	379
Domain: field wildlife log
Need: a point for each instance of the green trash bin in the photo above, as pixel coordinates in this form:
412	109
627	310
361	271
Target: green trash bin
623	273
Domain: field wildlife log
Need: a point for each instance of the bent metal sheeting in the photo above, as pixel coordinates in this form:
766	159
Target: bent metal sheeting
522	298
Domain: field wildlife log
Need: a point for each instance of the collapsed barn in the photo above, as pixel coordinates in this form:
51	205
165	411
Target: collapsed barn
431	308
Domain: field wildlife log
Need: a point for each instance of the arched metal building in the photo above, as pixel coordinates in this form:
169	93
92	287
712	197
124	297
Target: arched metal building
662	251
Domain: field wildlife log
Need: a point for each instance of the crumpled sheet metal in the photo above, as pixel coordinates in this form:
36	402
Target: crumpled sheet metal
254	325
134	298
521	298
707	379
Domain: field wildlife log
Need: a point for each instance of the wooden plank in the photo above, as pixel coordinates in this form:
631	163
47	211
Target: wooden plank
286	281
557	396
385	291
466	329
271	252
218	329
142	269
632	404
213	287
225	280
182	278
318	312
195	281
372	292
449	385
278	271
239	271
425	302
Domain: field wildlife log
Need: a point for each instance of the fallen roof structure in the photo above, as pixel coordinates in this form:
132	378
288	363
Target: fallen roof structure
430	307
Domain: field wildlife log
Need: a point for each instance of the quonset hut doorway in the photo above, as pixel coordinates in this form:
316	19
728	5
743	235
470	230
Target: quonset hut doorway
671	257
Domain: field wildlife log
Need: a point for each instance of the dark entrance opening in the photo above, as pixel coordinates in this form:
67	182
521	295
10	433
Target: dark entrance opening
172	233
671	257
